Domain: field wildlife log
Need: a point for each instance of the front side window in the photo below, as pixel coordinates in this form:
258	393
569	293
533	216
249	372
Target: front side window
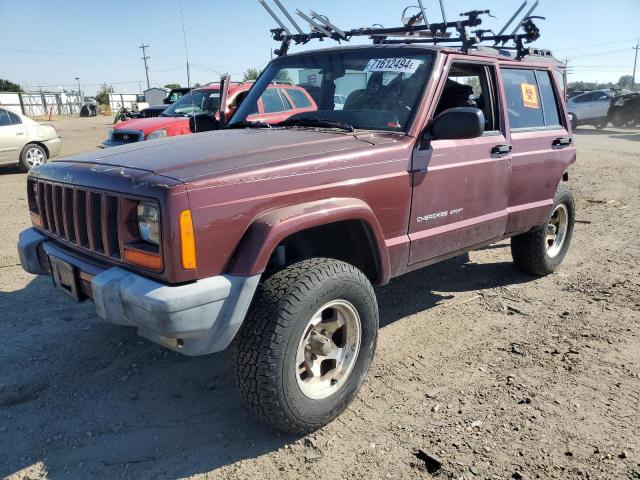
196	101
5	120
523	99
381	88
471	85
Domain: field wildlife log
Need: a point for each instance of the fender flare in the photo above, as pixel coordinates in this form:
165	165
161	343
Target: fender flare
268	230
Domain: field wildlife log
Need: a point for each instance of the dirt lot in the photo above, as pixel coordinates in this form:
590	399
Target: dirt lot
499	374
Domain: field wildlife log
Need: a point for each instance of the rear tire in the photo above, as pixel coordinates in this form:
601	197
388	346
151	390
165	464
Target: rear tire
32	155
296	367
540	251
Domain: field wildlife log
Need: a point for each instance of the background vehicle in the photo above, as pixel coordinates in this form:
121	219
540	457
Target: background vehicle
590	108
277	104
176	94
25	141
625	109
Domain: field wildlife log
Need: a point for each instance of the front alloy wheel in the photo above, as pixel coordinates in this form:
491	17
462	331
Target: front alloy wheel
306	344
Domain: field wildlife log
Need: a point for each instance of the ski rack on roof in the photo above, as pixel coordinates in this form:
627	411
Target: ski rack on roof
412	32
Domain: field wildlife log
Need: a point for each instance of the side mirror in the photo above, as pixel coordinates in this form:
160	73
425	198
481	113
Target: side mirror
457	124
203	122
166	101
603	97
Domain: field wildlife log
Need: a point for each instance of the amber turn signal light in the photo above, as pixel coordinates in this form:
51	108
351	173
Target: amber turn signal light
152	261
187	241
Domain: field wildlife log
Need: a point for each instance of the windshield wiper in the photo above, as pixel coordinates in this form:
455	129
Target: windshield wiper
247	124
316	122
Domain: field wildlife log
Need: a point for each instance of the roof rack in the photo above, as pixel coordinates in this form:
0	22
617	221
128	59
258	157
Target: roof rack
415	30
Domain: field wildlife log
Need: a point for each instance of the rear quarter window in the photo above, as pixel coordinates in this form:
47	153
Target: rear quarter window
531	100
299	98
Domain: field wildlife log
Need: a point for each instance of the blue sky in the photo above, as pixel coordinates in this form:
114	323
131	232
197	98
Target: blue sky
98	41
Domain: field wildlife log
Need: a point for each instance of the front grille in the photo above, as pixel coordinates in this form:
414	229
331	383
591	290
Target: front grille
86	218
151	112
125	137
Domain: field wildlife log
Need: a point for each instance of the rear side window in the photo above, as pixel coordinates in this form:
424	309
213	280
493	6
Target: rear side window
531	101
274	101
523	99
548	97
15	119
299	98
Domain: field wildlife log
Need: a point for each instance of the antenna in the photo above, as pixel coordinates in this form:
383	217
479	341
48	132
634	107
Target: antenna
289	17
513	17
424	13
275	17
526	15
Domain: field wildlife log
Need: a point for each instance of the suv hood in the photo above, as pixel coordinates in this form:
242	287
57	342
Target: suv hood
148	125
228	152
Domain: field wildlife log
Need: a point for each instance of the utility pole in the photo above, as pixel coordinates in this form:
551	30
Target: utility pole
145	58
635	63
79	94
186	52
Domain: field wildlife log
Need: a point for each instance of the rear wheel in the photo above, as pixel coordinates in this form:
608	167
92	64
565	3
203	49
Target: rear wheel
307	344
32	155
541	251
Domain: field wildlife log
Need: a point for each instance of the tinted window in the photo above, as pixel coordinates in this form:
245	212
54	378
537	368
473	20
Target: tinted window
299	98
4	118
587	97
15	119
470	85
548	97
523	98
274	102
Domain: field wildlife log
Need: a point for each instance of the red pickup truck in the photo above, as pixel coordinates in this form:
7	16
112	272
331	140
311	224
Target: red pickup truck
278	102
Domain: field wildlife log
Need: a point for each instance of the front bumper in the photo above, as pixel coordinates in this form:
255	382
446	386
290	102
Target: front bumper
194	319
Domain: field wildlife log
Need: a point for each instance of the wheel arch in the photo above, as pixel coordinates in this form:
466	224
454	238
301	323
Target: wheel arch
315	228
35	142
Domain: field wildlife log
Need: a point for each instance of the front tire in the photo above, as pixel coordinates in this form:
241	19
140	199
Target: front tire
540	251
32	155
307	343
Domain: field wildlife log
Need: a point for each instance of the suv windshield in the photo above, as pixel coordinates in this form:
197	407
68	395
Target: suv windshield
374	89
198	101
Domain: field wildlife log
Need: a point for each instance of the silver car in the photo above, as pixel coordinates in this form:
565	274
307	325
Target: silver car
25	141
591	108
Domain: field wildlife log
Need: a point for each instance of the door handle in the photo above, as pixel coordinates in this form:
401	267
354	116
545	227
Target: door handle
562	142
20	133
501	150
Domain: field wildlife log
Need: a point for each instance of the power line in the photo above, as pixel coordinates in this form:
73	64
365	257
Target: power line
601	53
592	45
145	58
56	52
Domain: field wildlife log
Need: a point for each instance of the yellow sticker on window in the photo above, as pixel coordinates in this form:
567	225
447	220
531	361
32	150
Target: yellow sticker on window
529	95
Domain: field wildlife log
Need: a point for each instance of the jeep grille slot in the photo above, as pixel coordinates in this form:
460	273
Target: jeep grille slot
81	217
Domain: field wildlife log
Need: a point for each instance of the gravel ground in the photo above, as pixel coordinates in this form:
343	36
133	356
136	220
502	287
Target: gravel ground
496	373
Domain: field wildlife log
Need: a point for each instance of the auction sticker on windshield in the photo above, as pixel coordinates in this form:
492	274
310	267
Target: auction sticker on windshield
399	65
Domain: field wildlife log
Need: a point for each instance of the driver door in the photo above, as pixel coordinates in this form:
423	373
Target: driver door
13	135
460	187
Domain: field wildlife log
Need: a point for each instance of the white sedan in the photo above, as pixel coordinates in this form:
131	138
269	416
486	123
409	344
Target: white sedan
25	141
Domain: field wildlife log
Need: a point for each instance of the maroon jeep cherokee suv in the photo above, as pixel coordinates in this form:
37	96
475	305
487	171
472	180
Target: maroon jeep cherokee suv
271	237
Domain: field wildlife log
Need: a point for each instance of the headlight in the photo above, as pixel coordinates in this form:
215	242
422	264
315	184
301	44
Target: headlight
157	134
148	222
